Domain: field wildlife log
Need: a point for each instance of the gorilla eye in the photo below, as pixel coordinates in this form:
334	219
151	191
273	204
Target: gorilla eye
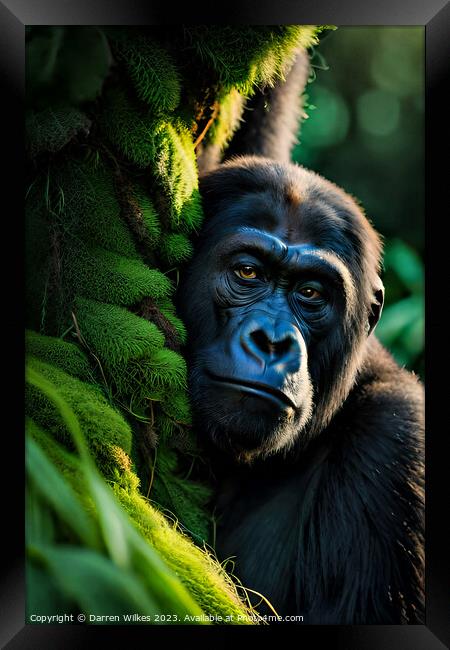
310	293
246	272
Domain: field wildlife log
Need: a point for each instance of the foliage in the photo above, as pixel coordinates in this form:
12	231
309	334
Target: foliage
151	68
83	194
402	327
175	170
247	57
65	65
102	275
114	116
176	248
65	355
51	129
94	553
231	106
128	126
103	426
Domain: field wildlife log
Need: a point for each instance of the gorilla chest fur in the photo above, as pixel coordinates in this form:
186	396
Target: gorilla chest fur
260	526
261	536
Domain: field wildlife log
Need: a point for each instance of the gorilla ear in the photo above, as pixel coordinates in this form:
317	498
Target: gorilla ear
376	307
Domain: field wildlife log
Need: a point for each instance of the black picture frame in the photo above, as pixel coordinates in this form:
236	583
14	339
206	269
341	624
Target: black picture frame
434	15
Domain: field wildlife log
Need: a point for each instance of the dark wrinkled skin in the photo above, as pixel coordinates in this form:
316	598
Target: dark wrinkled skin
314	432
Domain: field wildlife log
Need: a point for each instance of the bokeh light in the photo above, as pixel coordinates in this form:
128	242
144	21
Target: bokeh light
378	112
332	121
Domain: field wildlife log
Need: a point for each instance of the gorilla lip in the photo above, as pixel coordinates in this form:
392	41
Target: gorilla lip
256	388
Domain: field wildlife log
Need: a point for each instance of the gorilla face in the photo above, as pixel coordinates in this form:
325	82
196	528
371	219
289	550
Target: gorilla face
278	300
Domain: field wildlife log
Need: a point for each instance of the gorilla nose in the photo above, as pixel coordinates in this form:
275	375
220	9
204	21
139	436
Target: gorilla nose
270	348
272	343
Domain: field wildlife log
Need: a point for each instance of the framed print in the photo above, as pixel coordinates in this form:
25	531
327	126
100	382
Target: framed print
231	260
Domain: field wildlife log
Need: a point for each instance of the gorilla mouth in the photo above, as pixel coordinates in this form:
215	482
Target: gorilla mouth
256	388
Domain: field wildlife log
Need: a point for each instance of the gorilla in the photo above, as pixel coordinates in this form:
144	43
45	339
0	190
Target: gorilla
314	432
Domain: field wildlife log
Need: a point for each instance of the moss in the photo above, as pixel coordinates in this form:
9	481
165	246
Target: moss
63	354
184	499
91	210
119	464
191	216
198	570
178	408
230	113
103	426
175	169
130	128
66	462
107	277
53	128
175	248
114	463
129	349
37	259
249	56
166	427
142	216
167	308
151	69
177	324
151	378
114	334
166	369
149	310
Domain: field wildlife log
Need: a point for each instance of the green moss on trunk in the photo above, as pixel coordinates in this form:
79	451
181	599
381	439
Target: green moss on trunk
115	120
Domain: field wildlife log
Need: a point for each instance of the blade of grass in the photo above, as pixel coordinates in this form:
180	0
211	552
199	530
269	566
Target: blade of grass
53	488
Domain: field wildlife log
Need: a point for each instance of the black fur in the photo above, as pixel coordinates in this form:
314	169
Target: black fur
336	533
322	508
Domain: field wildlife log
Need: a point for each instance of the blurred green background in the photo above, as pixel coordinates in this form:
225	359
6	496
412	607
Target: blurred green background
365	132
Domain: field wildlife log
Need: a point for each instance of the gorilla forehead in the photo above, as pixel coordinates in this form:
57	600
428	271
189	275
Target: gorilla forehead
298	221
288	201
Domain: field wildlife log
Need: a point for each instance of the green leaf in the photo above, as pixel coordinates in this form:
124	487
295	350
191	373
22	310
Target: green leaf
48	481
397	317
407	265
83	63
414	336
94	582
42	55
44	597
110	518
39	520
66	65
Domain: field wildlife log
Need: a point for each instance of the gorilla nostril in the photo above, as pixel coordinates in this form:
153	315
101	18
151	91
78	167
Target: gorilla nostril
262	341
267	346
282	347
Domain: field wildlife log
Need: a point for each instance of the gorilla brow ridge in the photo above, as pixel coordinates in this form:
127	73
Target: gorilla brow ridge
259	243
338	265
275	249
